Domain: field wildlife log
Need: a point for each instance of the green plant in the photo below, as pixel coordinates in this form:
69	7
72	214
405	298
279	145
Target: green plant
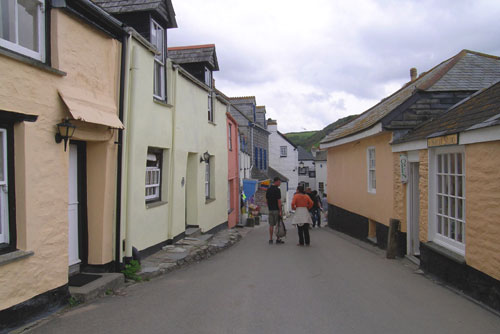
72	301
109	292
131	271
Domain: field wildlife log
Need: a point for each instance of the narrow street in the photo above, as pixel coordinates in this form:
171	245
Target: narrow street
338	285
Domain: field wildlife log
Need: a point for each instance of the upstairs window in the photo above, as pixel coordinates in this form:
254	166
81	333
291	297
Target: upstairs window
372	180
303	170
22	27
158	40
312	173
283	151
208	77
210	108
265	159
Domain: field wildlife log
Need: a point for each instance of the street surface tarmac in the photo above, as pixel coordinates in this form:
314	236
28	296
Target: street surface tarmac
337	285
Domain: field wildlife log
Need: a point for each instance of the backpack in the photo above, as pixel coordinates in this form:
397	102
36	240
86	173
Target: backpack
281	229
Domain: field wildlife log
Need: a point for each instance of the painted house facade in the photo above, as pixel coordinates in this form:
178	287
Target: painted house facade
233	171
252	123
146	146
307	169
61	196
284	158
320	158
361	164
448	182
200	156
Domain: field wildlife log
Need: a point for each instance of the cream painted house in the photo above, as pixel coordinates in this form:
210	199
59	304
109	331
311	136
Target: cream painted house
61	197
146	165
447	180
200	155
361	187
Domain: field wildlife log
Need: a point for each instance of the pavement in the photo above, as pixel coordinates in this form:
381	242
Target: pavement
337	285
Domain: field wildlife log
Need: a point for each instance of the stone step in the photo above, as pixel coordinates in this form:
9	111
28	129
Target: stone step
193	232
99	287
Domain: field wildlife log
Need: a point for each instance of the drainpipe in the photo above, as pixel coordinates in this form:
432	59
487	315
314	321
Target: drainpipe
120	152
173	102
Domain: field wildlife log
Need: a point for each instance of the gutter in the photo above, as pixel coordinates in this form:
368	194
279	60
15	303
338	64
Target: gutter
119	162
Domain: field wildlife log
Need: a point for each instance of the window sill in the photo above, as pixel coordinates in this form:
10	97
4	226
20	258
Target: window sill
14	256
30	61
230	211
209	200
155	204
212	123
445	252
162	102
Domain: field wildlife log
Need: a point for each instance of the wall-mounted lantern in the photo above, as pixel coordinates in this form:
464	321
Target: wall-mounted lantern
65	131
301	164
205	157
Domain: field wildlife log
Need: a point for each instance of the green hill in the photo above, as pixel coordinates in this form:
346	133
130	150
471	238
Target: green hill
309	139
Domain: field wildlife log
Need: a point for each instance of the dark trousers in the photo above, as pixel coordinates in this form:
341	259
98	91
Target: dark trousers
316	217
304	234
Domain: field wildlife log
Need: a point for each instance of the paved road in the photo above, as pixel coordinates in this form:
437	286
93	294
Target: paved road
335	286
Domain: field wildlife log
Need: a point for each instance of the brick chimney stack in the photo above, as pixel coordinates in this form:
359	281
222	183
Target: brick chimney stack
413	73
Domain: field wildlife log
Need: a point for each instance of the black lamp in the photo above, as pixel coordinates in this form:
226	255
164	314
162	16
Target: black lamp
205	157
301	164
65	131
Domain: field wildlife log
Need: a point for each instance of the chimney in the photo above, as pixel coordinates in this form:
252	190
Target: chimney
413	73
272	125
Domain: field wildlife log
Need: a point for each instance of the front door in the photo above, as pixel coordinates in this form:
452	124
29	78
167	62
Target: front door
73	238
413	211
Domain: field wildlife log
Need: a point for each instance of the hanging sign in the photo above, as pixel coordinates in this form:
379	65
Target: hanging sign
403	167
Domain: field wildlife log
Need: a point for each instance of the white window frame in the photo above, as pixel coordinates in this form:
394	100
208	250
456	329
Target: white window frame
16	47
208	77
371	160
207	179
159	59
283	151
448	193
4	195
153	177
210	108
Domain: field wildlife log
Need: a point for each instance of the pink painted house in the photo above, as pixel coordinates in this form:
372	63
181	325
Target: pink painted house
233	184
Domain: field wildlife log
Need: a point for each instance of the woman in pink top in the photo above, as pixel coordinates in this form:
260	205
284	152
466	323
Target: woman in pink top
301	203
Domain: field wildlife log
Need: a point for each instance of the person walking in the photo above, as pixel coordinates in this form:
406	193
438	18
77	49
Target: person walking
315	211
301	203
324	206
273	198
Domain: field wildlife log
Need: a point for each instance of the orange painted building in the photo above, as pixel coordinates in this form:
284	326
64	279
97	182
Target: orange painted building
233	171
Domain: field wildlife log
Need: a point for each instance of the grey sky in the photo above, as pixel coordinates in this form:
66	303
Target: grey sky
312	62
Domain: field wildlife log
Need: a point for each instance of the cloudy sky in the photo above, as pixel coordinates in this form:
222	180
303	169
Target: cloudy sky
312	62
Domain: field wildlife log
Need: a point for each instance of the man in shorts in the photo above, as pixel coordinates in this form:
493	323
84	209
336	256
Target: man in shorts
273	197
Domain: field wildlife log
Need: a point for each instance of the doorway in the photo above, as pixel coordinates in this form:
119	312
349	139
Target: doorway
77	207
191	184
413	240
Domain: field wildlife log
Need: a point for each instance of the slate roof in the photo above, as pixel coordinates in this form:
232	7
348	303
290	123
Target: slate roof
163	7
194	54
321	155
272	173
304	155
466	71
243	99
478	111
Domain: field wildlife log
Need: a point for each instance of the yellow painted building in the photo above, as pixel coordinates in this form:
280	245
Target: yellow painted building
62	201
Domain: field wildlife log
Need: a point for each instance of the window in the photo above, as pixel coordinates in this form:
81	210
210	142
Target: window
312	173
321	187
230	138
4	201
265	159
448	195
22	27
208	77
208	185
303	170
260	159
153	174
256	157
372	180
158	40
210	108
283	152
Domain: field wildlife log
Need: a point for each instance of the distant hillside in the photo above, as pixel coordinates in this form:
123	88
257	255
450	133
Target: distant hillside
309	139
